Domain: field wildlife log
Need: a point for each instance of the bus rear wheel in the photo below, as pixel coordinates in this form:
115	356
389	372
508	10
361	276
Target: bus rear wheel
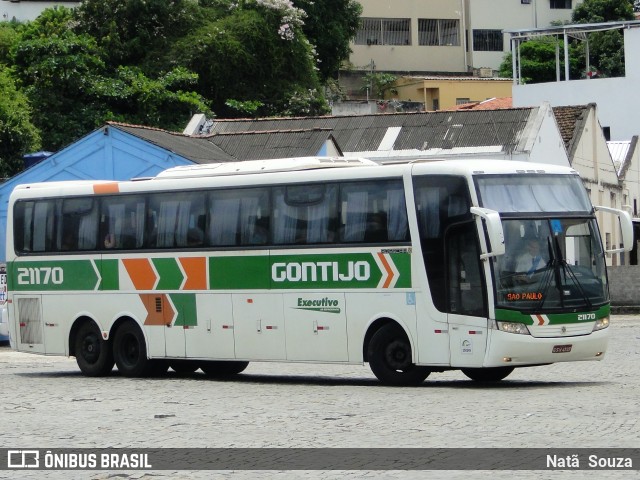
494	374
222	368
390	357
130	351
93	354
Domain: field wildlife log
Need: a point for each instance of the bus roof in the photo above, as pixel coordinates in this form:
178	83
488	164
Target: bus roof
259	166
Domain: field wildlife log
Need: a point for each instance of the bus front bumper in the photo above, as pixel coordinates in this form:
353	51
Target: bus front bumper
511	349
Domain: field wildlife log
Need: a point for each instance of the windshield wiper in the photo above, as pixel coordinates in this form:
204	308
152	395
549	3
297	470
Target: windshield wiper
566	268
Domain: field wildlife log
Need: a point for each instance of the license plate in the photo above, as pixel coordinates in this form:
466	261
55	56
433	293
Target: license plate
561	348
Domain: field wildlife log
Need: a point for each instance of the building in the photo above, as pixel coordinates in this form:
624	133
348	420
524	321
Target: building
444	93
27	10
617	98
446	35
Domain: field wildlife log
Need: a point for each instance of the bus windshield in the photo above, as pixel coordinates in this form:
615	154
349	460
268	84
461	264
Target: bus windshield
550	264
554	258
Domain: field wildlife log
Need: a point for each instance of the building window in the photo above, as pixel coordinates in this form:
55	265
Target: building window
564	4
606	131
438	32
462	101
525	2
487	40
384	31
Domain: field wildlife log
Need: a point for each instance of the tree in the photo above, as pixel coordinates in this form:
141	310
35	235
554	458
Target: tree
538	61
9	36
66	78
257	52
18	136
606	49
378	84
57	73
329	26
137	32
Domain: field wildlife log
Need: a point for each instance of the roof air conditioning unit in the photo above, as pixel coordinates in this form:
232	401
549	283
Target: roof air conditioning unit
485	72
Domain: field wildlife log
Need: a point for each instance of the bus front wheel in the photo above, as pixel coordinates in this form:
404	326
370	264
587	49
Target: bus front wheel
130	351
494	374
93	354
222	368
390	358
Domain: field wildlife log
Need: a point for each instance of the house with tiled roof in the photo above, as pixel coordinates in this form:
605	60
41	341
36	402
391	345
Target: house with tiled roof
527	134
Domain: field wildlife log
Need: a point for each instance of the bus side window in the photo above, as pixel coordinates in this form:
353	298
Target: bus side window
373	212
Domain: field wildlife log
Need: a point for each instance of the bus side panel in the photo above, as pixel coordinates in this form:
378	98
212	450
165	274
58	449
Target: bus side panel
212	334
258	326
316	326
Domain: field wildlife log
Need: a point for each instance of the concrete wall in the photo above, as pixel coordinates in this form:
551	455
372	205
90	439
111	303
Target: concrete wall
624	285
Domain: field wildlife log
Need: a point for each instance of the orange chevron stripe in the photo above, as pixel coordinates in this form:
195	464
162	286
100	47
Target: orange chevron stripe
140	272
195	269
159	309
111	187
540	319
383	259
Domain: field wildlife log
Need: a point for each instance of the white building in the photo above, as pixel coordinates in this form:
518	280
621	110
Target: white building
446	35
22	11
617	98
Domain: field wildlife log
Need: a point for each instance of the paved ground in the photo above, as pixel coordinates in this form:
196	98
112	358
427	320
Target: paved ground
46	403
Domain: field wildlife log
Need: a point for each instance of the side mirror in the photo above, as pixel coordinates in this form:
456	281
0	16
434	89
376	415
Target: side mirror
626	227
494	231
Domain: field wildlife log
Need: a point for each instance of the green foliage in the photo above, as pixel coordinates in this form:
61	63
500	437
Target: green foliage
606	49
18	135
57	73
302	103
137	32
538	61
329	26
156	62
164	102
9	37
379	84
249	107
598	11
245	56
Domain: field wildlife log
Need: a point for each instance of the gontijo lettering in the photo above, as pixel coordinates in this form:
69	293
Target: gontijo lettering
323	271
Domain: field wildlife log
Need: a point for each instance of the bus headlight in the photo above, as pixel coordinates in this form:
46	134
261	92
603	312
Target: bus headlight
513	327
601	323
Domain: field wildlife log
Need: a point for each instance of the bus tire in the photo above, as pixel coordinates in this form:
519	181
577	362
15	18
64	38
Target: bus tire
494	374
184	367
389	354
223	368
93	354
130	351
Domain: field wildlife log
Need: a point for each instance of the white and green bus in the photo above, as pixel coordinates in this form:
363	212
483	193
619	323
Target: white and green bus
413	268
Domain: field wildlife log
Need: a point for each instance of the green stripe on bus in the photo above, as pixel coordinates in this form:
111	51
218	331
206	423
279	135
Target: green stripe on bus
50	276
171	277
110	277
185	304
554	318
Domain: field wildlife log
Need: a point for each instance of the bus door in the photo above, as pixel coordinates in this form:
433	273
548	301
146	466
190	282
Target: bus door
466	296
